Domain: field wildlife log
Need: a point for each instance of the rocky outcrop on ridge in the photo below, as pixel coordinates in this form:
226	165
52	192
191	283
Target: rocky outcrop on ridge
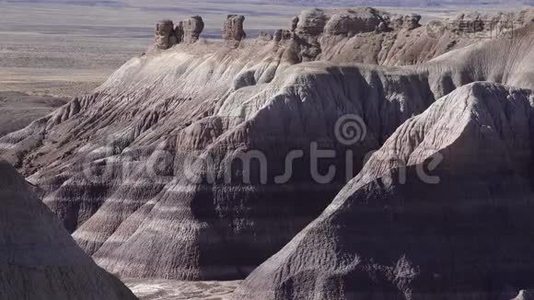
192	28
233	29
39	260
188	31
372	36
441	211
159	173
165	35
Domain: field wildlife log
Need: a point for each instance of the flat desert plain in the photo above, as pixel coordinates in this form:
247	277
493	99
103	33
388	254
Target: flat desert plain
65	48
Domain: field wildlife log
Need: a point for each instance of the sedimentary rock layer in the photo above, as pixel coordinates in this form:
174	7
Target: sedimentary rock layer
173	167
442	211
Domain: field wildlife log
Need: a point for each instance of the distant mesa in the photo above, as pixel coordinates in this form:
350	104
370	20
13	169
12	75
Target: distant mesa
313	30
304	30
481	25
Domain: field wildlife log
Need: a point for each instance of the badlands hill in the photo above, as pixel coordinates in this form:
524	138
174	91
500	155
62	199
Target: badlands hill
39	260
399	231
173	167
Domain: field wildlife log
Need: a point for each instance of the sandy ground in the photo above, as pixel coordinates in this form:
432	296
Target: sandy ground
60	59
175	290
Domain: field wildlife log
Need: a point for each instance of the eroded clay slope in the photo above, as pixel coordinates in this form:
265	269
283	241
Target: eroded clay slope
148	171
368	35
38	258
441	211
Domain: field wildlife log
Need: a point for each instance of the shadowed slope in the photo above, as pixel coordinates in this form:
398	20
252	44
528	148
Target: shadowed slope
39	260
442	211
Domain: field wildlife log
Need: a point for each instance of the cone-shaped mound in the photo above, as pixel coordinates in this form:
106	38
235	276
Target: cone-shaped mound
38	258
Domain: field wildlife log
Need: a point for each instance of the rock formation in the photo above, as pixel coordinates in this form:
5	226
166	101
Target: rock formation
364	35
408	22
316	30
192	28
282	34
233	29
165	35
179	31
352	22
188	32
265	36
39	260
442	211
161	172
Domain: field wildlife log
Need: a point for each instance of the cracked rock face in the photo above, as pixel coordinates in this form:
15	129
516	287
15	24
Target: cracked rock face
39	259
233	28
179	31
408	22
316	30
311	22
